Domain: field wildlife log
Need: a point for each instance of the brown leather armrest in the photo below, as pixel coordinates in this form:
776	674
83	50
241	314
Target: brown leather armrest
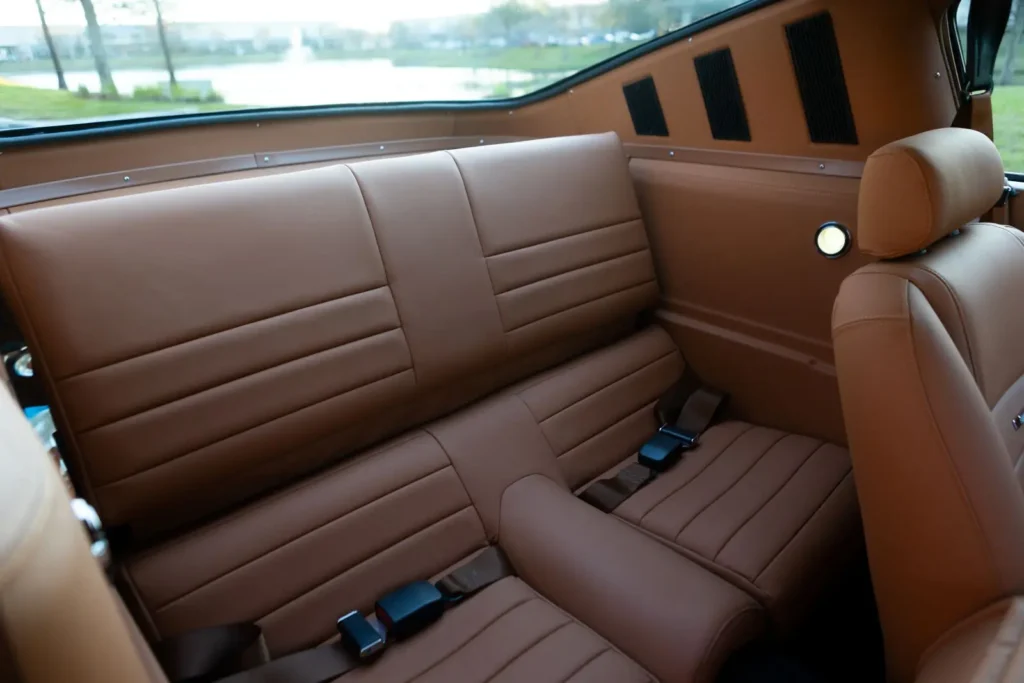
673	617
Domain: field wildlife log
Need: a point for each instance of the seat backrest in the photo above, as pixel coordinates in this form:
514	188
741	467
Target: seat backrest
54	598
202	345
929	346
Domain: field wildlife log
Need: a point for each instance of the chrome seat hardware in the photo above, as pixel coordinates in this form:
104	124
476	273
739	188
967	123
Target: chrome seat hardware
99	546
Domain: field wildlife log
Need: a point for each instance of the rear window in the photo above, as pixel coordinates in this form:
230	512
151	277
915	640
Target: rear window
82	61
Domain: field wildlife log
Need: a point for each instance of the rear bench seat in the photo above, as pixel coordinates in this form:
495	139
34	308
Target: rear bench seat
205	345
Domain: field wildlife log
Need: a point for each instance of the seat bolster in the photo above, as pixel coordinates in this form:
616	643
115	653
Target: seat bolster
670	615
917	424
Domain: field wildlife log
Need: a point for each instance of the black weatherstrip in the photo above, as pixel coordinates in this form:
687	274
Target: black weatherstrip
819	74
62	133
645	108
722	97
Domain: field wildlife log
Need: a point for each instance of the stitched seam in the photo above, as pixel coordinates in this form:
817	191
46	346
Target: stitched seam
199	391
543	433
585	266
860	321
262	423
465	488
272	498
796	533
476	635
629	375
587	662
695	475
304	534
732	485
582	231
644	408
476	231
730	623
75	456
529	647
341	573
611	646
384	265
765	504
583	303
217	333
965	497
959	314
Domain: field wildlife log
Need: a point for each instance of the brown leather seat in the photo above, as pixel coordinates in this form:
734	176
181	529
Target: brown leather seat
59	618
207	344
929	354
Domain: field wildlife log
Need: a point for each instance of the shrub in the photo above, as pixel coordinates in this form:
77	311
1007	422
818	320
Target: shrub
177	93
82	91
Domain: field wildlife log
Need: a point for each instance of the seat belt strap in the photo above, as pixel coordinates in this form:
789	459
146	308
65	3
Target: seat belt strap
316	665
685	411
488	567
237	653
207	654
699	411
608	494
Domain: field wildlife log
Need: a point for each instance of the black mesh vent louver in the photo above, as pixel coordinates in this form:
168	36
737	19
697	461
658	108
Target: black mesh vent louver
722	97
645	108
819	74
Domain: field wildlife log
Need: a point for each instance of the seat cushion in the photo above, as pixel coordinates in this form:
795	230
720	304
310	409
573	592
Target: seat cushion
504	634
771	511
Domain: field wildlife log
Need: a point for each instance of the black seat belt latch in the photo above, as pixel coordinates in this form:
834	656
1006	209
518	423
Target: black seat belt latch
406	611
359	638
663	450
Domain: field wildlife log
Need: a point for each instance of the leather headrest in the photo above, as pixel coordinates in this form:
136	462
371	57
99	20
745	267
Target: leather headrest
917	190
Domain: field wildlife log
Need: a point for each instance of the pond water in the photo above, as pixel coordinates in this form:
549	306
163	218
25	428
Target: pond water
316	82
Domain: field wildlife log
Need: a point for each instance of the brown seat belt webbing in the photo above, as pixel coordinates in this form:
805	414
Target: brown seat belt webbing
207	654
685	411
317	665
236	653
608	494
490	566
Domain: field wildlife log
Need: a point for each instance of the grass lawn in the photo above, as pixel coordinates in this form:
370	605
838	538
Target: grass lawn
1008	121
17	102
555	58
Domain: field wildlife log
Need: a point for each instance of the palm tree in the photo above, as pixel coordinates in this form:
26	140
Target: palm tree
99	52
61	83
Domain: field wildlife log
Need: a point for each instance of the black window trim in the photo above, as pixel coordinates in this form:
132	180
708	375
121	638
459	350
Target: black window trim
18	137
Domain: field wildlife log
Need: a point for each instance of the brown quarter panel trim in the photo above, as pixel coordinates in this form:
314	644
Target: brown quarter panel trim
763	162
60	189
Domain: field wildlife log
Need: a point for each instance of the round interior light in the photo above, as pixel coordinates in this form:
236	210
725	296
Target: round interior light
833	240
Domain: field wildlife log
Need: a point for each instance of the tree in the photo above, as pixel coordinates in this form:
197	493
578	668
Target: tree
1014	35
99	51
61	83
164	45
143	8
509	15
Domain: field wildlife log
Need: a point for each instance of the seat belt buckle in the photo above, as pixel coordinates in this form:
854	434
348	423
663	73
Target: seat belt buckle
359	638
663	450
406	611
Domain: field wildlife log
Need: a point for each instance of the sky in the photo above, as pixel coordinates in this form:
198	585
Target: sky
372	15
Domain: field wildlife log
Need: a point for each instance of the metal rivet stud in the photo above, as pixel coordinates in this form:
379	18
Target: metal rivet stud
257	125
127	178
821	167
382	147
266	159
671	153
481	141
938	74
